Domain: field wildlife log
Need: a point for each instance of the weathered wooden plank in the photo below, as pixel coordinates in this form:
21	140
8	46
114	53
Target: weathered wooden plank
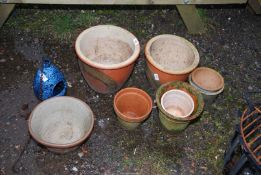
126	2
255	5
191	18
5	10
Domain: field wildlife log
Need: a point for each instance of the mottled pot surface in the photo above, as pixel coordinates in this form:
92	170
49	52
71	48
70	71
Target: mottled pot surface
207	79
172	54
195	94
61	122
132	104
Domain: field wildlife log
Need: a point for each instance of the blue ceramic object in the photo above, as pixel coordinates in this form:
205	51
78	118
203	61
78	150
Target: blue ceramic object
49	81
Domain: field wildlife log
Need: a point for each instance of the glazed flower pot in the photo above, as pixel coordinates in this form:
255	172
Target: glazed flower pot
208	96
61	123
132	106
170	58
175	123
106	56
177	103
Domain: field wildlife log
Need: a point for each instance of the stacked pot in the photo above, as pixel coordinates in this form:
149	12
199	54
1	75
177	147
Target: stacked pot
175	121
208	81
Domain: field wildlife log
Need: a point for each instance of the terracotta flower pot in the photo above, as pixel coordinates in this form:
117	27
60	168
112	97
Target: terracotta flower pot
177	103
106	56
170	58
172	122
208	96
132	106
61	123
207	79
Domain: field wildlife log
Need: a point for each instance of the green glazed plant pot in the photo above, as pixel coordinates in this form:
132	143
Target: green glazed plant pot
174	123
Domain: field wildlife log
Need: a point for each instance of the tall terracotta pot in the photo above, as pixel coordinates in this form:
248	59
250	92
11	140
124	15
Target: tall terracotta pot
170	58
106	56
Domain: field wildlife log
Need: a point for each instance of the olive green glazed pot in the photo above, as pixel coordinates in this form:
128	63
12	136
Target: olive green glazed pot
173	123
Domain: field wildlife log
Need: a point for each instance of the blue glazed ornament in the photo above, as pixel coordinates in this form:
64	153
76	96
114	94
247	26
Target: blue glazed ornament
49	81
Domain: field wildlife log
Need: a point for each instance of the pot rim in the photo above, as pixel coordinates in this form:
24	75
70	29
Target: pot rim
203	91
53	145
189	44
194	79
200	106
184	93
86	60
132	90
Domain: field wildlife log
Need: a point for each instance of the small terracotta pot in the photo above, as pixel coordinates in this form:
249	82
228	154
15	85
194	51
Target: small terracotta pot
132	106
207	79
209	96
177	103
106	56
174	123
170	58
61	123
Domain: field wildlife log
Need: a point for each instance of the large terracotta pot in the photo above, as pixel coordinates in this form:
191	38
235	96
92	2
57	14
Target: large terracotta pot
170	58
106	56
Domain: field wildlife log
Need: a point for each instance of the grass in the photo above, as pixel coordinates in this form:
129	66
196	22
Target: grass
61	25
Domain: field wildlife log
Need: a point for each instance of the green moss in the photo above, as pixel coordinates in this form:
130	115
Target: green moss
155	162
202	13
59	24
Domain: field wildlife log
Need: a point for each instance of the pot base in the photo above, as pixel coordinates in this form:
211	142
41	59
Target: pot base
172	125
128	125
62	150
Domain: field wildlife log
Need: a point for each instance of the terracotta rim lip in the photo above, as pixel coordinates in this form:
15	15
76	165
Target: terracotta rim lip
127	62
203	91
189	44
182	92
68	145
194	79
186	119
132	119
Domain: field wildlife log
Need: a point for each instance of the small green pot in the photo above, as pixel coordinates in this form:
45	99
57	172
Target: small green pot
174	123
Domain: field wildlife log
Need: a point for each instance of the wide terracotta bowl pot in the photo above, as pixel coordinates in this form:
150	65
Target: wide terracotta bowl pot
132	106
106	56
209	96
170	58
207	79
174	123
61	123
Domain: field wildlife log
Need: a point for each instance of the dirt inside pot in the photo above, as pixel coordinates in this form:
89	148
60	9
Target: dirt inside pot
108	51
172	54
61	132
